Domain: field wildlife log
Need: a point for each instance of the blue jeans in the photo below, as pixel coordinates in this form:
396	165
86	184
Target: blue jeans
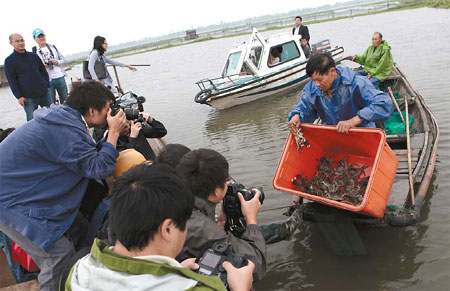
375	82
58	84
31	104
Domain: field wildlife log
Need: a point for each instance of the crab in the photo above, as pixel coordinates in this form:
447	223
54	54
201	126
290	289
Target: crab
300	140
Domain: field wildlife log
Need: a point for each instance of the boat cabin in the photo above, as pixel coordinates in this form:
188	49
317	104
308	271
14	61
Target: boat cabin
262	56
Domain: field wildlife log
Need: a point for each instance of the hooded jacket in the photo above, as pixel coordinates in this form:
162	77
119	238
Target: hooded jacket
105	270
45	166
377	61
352	95
203	232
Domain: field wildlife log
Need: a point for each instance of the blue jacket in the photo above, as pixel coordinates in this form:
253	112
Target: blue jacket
26	75
352	95
45	166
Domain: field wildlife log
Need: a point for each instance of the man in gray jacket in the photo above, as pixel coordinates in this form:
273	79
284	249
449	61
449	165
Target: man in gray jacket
206	172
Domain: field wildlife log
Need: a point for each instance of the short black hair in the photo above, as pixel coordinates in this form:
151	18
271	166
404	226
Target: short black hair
143	198
89	95
98	42
204	170
172	153
299	17
379	33
319	63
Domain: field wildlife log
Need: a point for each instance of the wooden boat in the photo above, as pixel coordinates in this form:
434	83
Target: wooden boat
424	140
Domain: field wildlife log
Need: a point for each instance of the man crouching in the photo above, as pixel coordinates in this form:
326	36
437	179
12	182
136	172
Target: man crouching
149	211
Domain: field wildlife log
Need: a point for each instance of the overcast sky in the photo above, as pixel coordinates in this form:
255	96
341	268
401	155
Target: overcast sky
72	24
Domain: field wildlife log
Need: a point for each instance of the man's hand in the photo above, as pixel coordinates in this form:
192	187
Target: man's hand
21	101
294	123
250	208
190	264
353	58
344	126
239	279
135	129
369	76
55	62
146	116
116	123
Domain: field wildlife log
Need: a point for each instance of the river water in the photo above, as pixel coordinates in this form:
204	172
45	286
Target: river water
252	137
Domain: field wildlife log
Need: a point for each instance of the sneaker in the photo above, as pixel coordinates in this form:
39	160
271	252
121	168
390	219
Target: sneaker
293	223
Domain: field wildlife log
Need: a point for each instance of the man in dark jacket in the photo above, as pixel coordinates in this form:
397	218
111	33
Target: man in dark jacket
27	77
45	167
206	172
300	29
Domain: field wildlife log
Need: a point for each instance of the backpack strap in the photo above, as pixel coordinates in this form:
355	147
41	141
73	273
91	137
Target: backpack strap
34	49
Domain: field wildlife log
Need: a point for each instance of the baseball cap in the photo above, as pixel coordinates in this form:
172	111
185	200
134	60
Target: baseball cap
37	32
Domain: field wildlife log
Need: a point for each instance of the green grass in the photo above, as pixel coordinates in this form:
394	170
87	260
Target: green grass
444	4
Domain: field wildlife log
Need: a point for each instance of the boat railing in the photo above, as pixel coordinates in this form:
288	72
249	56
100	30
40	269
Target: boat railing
213	82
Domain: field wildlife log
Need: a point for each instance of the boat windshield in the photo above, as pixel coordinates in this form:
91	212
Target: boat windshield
232	63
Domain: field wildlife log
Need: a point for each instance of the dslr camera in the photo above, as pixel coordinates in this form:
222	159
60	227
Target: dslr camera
235	222
131	104
211	261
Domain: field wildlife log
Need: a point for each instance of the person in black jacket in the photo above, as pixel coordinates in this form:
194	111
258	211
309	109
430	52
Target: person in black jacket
136	137
27	77
301	29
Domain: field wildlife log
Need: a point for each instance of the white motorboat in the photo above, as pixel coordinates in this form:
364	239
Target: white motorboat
260	68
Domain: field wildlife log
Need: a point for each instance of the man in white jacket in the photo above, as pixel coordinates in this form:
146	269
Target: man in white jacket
53	61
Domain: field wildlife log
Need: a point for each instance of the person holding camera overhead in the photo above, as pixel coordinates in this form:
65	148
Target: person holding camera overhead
97	64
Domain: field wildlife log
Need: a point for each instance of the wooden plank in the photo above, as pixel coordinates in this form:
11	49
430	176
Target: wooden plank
399	191
403	152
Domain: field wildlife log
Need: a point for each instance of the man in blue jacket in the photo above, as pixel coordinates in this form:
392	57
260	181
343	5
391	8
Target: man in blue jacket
27	77
339	97
45	167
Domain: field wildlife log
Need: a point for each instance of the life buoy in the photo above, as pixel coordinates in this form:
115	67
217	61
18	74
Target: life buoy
202	96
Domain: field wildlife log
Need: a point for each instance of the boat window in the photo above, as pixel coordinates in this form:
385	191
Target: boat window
246	70
255	55
232	63
283	53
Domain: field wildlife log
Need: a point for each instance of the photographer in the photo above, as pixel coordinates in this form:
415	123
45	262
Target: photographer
207	174
45	167
141	129
149	213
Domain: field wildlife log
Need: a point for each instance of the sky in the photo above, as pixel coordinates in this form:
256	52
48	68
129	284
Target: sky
72	25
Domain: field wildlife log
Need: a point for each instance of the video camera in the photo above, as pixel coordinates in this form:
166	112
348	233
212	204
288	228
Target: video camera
212	259
235	222
131	104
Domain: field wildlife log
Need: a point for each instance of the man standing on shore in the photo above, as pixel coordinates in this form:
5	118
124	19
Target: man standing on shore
53	61
27	77
300	29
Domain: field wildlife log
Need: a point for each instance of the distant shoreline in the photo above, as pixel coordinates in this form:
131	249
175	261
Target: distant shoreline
406	6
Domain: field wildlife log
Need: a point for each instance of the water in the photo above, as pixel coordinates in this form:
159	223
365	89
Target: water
252	136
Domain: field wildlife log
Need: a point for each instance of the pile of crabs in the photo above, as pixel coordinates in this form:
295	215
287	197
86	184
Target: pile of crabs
335	180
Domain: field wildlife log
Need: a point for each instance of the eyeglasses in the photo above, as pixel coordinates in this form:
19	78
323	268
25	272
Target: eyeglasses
105	43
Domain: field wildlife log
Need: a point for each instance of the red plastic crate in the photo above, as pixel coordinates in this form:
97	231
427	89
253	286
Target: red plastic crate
364	146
